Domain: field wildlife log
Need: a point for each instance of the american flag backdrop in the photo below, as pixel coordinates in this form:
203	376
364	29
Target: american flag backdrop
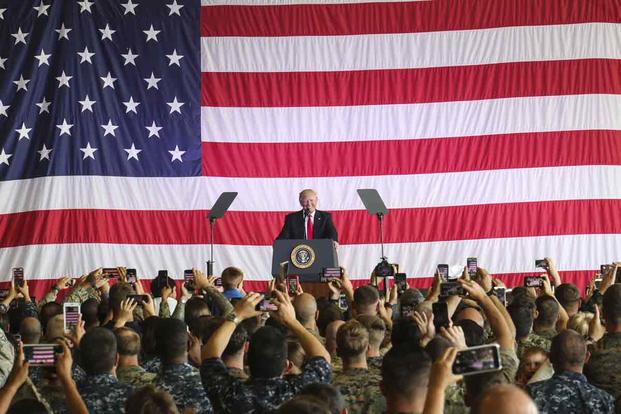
491	128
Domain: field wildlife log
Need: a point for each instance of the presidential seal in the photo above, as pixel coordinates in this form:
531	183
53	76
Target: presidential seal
303	256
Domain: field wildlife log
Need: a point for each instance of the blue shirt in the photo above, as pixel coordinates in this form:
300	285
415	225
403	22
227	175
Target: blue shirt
232	294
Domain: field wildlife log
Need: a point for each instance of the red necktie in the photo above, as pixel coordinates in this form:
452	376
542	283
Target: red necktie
309	228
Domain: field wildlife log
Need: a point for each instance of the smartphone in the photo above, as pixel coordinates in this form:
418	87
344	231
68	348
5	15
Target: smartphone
41	354
406	311
451	289
533	281
401	282
111	272
71	315
18	276
188	275
471	264
443	271
162	278
598	283
265	305
139	299
218	282
131	276
477	360
331	273
603	269
440	315
17	338
501	294
541	264
343	304
293	282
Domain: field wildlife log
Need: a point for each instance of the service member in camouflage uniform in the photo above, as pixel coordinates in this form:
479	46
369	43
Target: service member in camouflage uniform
568	390
101	391
377	332
128	371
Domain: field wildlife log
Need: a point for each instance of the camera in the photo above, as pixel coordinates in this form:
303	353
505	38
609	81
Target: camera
384	269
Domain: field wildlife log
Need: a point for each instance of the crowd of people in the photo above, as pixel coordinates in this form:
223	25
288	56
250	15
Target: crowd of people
199	348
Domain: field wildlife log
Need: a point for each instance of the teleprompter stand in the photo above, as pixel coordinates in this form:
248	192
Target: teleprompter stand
217	211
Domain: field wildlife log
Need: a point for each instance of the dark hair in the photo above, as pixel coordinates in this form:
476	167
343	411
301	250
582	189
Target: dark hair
437	346
251	325
127	341
327	393
29	405
568	349
611	304
275	323
295	353
118	293
205	327
267	353
474	334
231	276
150	400
352	340
90	313
567	294
366	296
102	310
195	307
405	371
405	332
327	315
171	338
304	405
149	341
376	328
48	311
522	317
157	286
98	351
548	310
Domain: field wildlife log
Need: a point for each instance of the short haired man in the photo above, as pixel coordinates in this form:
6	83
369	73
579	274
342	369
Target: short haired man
267	360
128	371
504	399
30	330
118	294
233	355
180	379
232	281
101	390
522	312
377	331
358	385
305	306
548	311
366	300
569	297
308	223
327	393
568	391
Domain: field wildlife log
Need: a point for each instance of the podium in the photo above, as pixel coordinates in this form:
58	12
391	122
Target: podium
306	258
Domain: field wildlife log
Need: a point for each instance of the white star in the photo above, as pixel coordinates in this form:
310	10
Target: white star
132	152
65	128
108	81
3	109
174	8
86	55
151	33
2	14
44	153
87	104
129	57
44	106
63	80
153	130
106	33
130	106
4	157
129	7
152	82
63	32
85	6
42	9
174	58
23	131
88	151
43	58
20	37
2	60
176	154
21	83
109	128
175	106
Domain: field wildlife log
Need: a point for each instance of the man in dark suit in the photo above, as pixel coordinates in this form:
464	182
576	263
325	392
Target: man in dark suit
308	223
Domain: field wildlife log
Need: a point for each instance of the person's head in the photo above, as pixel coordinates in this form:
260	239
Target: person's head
547	311
405	331
568	296
89	312
55	328
118	293
511	398
295	355
366	299
195	307
405	376
327	315
30	330
473	332
531	360
98	351
352	341
376	328
305	307
469	313
308	200
437	346
48	311
522	314
267	353
127	342
579	322
327	393
331	331
103	309
411	297
158	284
611	306
232	277
206	327
149	341
172	341
151	400
568	351
303	404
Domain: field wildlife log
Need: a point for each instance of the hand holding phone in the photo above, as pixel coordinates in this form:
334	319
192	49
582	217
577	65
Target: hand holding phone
71	315
42	354
139	299
401	282
331	273
451	289
478	360
471	264
18	276
131	276
533	281
293	283
443	271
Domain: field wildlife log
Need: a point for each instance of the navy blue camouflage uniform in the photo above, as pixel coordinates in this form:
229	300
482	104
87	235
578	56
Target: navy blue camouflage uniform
104	394
183	382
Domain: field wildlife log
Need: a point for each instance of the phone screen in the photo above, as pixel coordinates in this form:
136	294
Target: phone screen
443	271
533	281
292	285
440	315
343	304
331	273
41	354
401	282
188	275
131	276
111	272
71	314
140	299
266	306
451	289
471	263
541	264
18	276
477	359
501	294
218	282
